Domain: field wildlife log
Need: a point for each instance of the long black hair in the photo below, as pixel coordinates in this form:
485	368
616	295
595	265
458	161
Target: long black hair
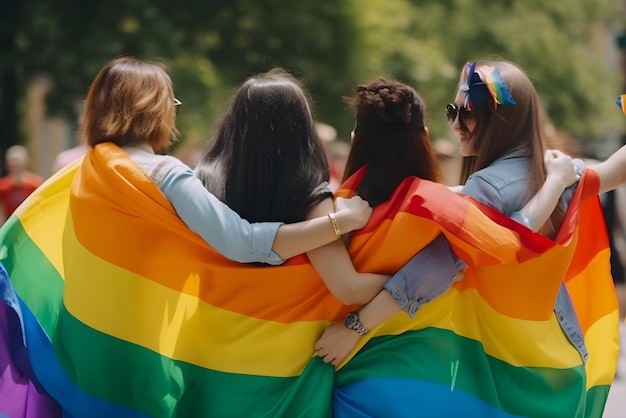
265	160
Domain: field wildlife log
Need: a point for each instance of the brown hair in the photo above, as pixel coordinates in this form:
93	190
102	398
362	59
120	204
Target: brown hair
390	138
508	126
130	102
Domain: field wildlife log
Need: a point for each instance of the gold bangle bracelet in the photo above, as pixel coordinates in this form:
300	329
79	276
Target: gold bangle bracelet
333	220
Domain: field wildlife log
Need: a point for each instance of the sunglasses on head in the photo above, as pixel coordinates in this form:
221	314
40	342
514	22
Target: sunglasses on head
453	110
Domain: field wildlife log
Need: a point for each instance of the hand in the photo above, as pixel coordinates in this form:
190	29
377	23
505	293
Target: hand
357	213
336	343
560	168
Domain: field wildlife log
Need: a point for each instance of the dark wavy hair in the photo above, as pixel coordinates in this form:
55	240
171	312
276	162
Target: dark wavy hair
265	160
390	138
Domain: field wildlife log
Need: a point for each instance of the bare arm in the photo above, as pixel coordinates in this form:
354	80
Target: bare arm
300	237
332	262
337	341
561	174
612	171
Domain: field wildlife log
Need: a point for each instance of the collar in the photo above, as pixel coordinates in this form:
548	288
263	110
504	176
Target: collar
139	148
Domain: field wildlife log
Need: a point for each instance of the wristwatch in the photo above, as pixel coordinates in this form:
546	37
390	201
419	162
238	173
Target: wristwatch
352	322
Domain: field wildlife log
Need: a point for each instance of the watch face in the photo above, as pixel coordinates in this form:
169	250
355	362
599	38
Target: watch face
350	320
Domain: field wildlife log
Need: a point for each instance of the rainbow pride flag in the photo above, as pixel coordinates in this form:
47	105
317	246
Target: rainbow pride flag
491	346
113	308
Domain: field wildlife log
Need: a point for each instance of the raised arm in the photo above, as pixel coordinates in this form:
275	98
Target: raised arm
562	173
612	171
332	262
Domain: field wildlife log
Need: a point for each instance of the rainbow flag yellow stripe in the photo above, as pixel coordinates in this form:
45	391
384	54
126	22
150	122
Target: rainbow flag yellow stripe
116	309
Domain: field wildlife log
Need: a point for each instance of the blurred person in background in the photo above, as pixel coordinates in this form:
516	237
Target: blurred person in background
337	154
328	137
19	183
614	204
449	161
72	154
189	153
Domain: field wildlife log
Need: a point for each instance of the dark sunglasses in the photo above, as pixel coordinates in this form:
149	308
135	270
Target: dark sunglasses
177	104
453	110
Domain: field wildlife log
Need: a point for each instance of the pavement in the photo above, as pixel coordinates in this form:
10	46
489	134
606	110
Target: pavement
616	402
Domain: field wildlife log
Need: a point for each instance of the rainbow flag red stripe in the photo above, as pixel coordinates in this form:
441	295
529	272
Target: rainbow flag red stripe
114	308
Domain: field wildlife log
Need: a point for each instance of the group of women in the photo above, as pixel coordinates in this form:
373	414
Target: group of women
433	301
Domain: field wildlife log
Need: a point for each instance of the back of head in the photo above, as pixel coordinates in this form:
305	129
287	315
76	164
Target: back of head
390	138
265	160
130	102
505	127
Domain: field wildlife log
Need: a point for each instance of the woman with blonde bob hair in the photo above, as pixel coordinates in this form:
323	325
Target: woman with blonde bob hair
130	103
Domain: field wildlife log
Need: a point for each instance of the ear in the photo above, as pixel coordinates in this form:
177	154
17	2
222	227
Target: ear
352	137
426	133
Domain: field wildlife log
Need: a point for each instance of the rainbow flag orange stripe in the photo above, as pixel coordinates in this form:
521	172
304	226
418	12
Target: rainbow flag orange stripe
114	308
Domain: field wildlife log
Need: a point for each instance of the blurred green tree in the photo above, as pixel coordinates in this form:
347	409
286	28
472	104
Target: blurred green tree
562	45
210	46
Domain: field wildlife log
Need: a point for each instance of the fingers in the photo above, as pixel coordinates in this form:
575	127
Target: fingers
556	153
326	357
553	154
320	352
329	358
548	155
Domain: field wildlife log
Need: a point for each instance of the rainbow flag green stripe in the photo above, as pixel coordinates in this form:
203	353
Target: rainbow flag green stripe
120	311
524	389
169	380
34	271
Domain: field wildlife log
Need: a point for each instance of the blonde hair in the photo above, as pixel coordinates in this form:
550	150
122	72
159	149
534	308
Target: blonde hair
130	102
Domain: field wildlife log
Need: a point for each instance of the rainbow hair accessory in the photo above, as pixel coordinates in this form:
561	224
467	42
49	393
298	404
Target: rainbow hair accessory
485	87
621	103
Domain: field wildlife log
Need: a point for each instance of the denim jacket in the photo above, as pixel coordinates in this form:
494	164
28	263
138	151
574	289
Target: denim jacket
501	185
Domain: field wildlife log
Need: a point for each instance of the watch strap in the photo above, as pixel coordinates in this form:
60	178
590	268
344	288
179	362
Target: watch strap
356	324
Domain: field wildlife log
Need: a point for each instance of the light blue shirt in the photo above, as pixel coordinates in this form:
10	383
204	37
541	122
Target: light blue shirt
501	185
220	226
